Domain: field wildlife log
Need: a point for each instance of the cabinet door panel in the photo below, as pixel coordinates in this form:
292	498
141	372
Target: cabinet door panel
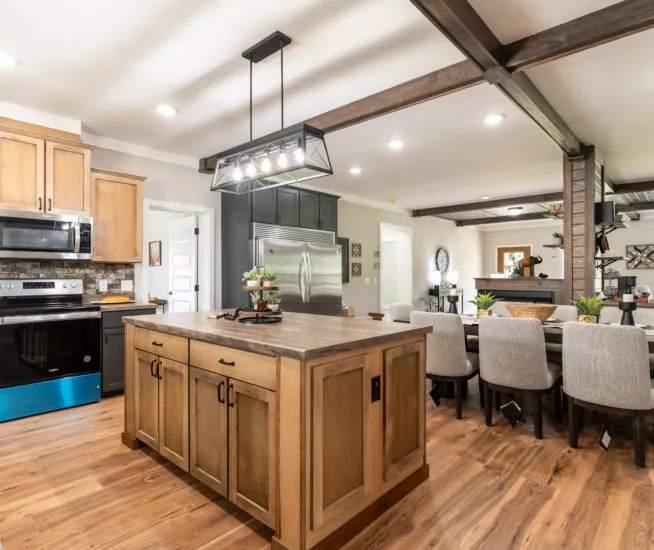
288	206
22	163
173	412
113	360
404	410
67	179
309	210
252	450
341	437
328	213
264	206
146	399
208	437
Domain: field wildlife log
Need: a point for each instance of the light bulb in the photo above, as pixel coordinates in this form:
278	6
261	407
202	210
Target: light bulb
396	144
251	170
355	170
298	154
265	165
494	119
282	161
237	174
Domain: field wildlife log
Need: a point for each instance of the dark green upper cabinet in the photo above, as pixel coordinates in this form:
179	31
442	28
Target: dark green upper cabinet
288	206
264	206
309	210
328	213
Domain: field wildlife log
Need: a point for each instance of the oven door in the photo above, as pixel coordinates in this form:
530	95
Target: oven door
36	348
39	236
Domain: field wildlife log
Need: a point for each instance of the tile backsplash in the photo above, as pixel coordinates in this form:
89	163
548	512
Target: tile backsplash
90	272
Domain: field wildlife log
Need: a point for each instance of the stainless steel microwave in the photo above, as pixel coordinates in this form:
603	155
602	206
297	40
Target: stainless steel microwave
42	236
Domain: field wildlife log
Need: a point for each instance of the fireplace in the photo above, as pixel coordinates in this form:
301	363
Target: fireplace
537	296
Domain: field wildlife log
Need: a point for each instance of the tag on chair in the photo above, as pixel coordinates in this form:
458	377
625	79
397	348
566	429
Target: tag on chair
435	394
604	438
514	414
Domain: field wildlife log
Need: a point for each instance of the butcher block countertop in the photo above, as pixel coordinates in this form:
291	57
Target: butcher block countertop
298	335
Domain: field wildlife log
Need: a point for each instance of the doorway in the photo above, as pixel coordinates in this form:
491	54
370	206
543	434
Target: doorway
395	265
184	275
508	258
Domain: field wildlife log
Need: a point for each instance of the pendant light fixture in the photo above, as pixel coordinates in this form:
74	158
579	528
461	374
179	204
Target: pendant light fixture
291	155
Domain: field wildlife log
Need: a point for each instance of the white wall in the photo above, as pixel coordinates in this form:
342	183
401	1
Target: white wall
535	236
361	224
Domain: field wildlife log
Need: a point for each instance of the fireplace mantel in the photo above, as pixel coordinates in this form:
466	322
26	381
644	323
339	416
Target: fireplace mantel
525	289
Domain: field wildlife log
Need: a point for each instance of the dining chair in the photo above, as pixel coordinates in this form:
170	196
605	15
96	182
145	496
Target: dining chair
447	359
606	369
401	312
513	359
562	314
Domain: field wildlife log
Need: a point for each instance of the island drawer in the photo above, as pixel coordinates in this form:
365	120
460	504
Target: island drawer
260	370
163	345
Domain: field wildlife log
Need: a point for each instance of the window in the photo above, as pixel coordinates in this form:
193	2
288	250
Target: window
509	256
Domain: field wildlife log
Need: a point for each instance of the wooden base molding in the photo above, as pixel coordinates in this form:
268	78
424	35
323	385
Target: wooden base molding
130	441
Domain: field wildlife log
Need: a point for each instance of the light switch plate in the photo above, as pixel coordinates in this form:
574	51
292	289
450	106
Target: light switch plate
102	285
126	285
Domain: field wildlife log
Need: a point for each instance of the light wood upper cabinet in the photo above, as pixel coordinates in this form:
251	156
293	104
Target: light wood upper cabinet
341	433
173	412
67	179
117	217
21	172
252	450
146	399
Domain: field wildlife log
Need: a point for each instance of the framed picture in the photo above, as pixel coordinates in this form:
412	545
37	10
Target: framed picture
155	253
356	269
345	259
640	256
356	250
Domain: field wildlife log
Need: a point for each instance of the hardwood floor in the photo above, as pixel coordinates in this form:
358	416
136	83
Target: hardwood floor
66	481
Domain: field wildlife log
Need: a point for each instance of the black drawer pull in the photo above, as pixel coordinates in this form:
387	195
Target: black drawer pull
158	344
159	371
221	397
229	402
227	363
154	362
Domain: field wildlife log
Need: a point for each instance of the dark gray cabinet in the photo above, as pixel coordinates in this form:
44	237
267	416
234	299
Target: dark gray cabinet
309	210
288	206
328	220
264	206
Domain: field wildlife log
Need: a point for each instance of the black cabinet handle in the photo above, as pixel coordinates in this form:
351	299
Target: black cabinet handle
158	344
227	363
152	364
230	403
40	203
106	337
221	386
49	205
159	376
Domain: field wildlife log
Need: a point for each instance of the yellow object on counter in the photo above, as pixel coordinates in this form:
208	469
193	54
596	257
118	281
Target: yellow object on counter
115	300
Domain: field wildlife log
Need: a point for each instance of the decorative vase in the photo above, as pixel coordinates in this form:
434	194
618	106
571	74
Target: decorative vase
262	304
587	319
268	284
274	307
558	241
252	283
483	313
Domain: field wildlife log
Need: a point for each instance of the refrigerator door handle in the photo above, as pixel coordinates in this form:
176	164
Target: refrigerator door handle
309	275
303	277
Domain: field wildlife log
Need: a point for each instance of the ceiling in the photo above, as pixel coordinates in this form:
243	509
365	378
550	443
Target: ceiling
110	63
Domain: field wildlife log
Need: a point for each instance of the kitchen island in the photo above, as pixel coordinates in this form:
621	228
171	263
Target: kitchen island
315	425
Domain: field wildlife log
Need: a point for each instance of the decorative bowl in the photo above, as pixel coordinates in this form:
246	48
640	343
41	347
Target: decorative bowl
542	312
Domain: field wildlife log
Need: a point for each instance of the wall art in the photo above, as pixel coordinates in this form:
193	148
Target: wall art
356	250
155	253
356	269
640	256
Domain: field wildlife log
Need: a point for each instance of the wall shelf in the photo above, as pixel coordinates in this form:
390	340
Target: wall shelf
601	263
559	246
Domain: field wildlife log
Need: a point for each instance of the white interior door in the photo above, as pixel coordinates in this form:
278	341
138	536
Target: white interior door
183	262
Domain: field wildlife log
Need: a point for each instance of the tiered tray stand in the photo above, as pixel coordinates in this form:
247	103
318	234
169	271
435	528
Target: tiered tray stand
259	317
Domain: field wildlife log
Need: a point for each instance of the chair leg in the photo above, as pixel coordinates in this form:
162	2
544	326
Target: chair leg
482	393
498	400
458	398
558	415
639	439
538	415
573	416
489	405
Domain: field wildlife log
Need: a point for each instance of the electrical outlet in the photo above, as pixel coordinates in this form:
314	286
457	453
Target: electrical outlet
126	285
102	285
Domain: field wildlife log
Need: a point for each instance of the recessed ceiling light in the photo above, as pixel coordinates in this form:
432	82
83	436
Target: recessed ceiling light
485	197
166	111
7	61
355	171
396	144
494	119
515	210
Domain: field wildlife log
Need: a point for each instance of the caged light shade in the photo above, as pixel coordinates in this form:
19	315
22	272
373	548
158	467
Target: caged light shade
297	153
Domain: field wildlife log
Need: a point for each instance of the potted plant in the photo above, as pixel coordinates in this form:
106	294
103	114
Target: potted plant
484	302
589	308
269	276
558	239
273	300
254	276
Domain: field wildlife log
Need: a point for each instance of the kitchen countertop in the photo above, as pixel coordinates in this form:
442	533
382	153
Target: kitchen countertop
299	335
127	307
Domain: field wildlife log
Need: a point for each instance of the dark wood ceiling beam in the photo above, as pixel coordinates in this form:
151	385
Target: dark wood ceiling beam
633	187
588	31
636	207
502	219
485	205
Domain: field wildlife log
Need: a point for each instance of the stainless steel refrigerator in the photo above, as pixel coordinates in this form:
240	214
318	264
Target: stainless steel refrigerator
310	279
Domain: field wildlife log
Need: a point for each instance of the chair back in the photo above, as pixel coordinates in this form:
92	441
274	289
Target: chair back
610	314
607	365
446	346
400	311
512	353
566	313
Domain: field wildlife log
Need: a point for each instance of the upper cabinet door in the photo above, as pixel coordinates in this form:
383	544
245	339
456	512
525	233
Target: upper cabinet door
67	179
22	161
117	217
288	206
264	206
329	213
309	210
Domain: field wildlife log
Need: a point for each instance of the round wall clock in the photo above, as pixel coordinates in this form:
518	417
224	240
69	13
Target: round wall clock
442	259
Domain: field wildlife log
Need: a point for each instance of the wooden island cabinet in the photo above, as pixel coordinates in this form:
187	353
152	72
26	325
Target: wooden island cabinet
313	426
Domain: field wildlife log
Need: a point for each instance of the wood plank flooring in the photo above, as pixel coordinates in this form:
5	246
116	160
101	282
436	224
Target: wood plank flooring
66	482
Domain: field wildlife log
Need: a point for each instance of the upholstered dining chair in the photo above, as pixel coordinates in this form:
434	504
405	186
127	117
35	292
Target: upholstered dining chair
513	359
606	369
563	314
447	359
400	312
